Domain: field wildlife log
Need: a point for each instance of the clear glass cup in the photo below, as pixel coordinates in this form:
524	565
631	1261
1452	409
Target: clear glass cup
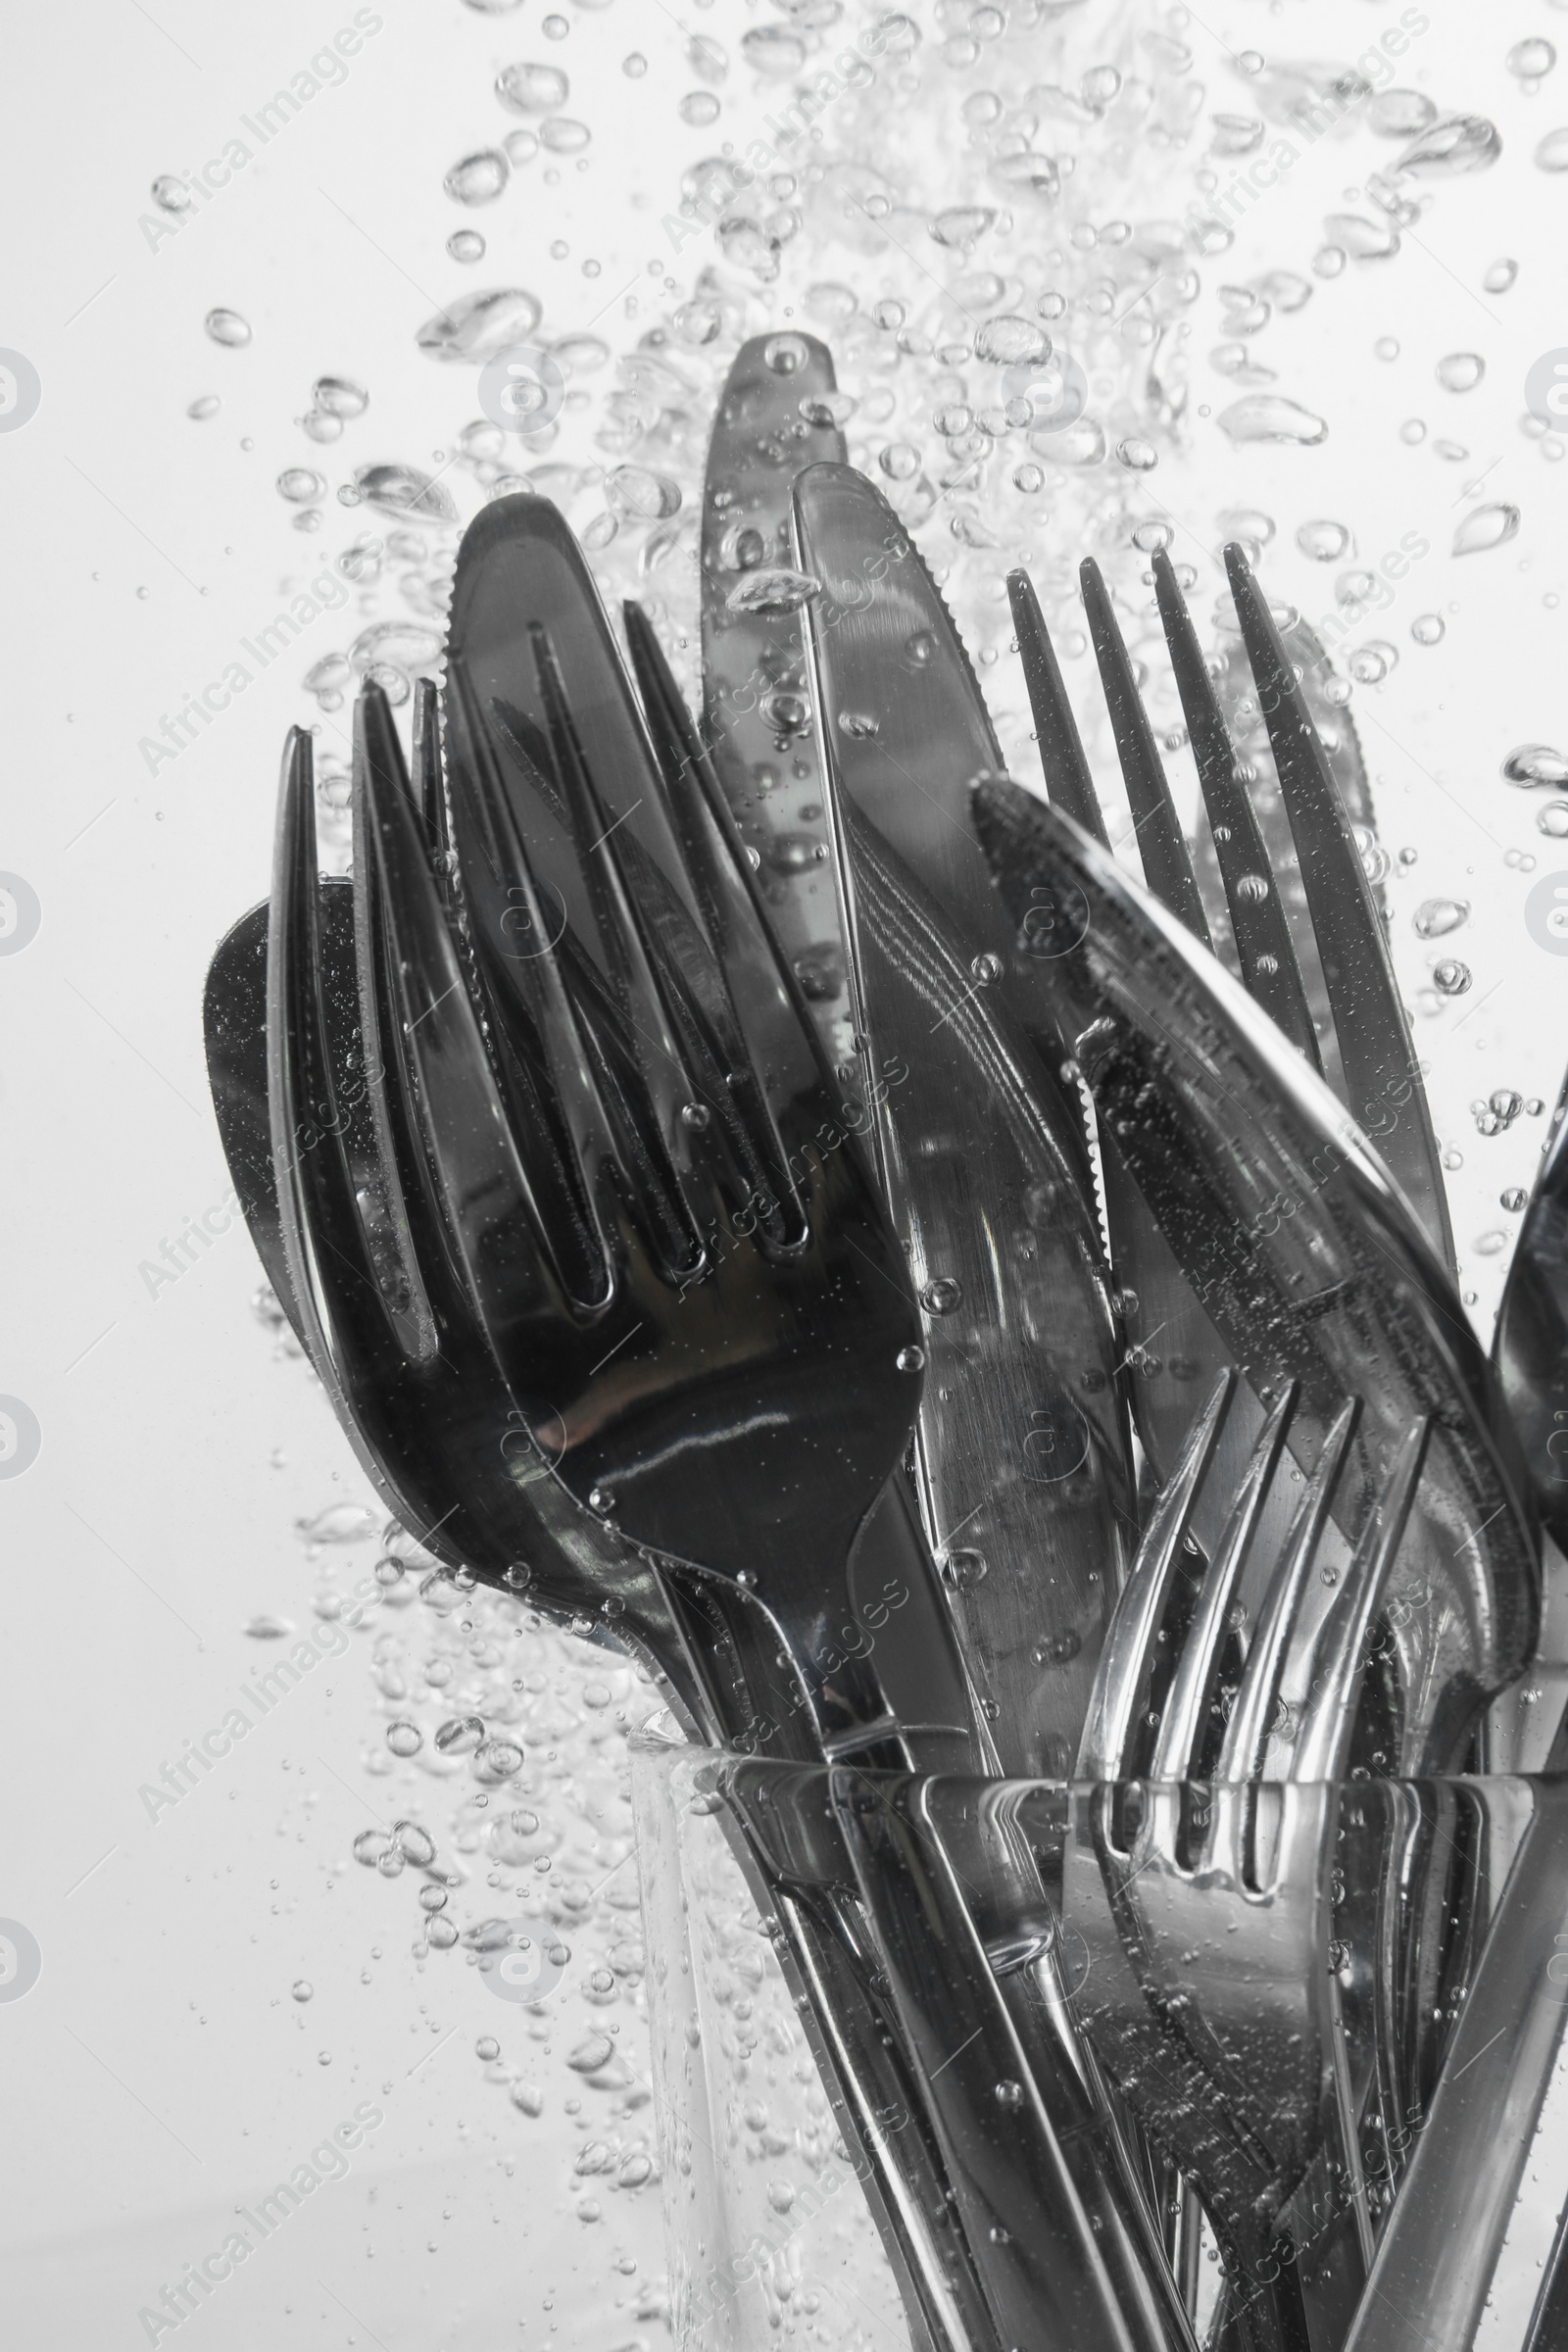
770	2239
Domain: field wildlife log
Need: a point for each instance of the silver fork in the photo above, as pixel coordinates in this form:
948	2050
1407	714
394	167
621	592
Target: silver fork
1204	1894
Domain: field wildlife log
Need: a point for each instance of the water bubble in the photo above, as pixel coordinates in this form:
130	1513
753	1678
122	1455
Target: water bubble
1532	765
302	1990
1498	276
1428	628
966	1568
1488	527
1514	1199
1236	134
478	178
1490	1244
1138	456
564	136
497	1759
639	495
1010	2094
1011	342
1412	432
1435	918
300	485
960	224
1028	477
910	1359
369	1847
229	328
208	405
1149	537
1399	114
706	58
698	108
1552	820
591	2054
488	2048
942	1296
466	245
403	1738
1460	370
415	1842
1456	144
697	321
478	326
773	589
1451	977
460	1735
1552	153
773	50
1270	417
1362	240
405	491
1325	542
339	1523
532	89
1531	60
527	2098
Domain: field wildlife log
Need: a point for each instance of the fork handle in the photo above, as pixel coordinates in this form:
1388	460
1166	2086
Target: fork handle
1471	2224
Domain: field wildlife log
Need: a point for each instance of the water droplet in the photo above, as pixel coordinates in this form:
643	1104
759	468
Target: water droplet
1536	763
405	491
496	1759
403	1738
1457	143
478	178
532	89
966	1568
1325	542
634	64
1531	60
1138	456
910	1359
460	1735
477	326
1028	479
1499	277
207	405
527	2098
774	50
696	1116
960	224
1252	889
228	327
1399	114
564	136
1451	977
985	969
942	1296
1490	1244
1010	2094
1435	918
593	2052
858	725
1460	370
1011	342
1362	240
466	245
300	485
1514	1199
1428	628
1270	417
1552	820
698	108
1488	527
774	590
637	494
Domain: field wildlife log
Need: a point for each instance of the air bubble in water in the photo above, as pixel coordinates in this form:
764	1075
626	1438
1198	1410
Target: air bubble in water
1428	628
1530	59
1435	918
942	1296
466	245
460	1735
639	495
773	589
1325	542
1499	277
478	178
1532	765
698	108
1460	370
477	326
207	405
300	486
1270	417
1488	527
403	1738
1456	144
1451	977
405	491
302	1990
229	328
532	89
1552	820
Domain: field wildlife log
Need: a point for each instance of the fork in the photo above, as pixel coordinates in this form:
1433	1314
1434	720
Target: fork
1204	1894
399	1347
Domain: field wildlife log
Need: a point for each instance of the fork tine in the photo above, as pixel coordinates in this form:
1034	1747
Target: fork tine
1339	1659
1106	1750
1380	1075
1246	1733
1168	868
427	767
1264	947
440	1076
1186	1717
513	927
1068	783
317	1212
758	1023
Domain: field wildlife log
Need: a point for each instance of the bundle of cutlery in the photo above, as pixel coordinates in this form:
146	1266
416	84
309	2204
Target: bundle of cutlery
974	1313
